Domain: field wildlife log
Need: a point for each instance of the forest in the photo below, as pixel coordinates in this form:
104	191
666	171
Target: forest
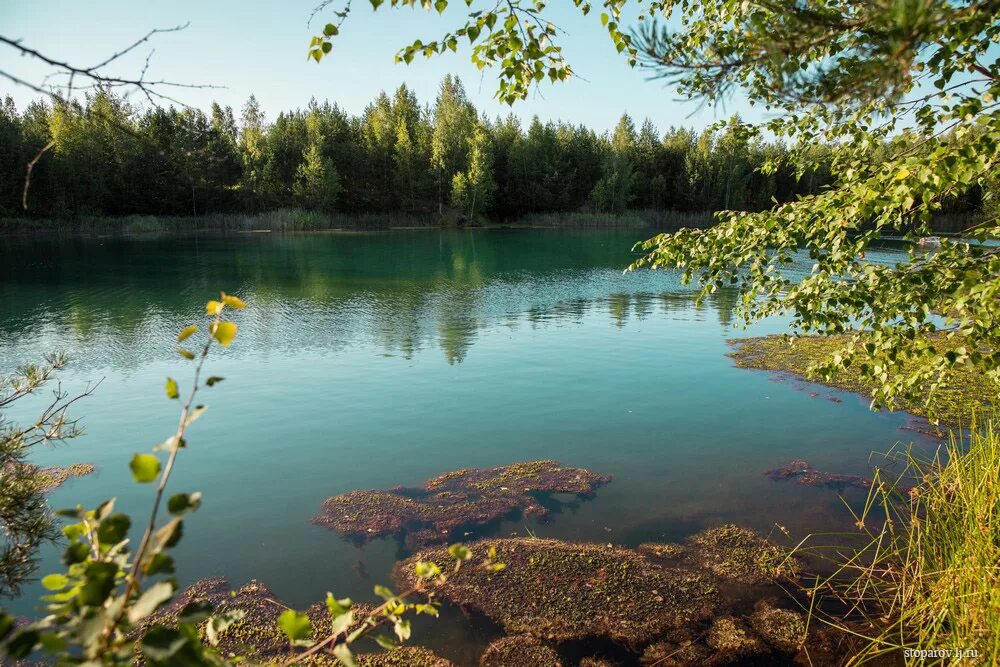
109	158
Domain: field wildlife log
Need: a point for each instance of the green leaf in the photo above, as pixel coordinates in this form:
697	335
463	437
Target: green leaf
427	570
55	582
171	388
385	642
460	552
182	503
342	622
114	529
186	333
338	607
150	601
343	653
295	625
383	592
224	332
6	625
22	644
145	468
213	380
161	644
99	581
160	563
402	629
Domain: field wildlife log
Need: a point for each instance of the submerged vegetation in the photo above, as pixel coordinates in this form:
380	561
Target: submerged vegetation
472	497
965	390
655	599
803	473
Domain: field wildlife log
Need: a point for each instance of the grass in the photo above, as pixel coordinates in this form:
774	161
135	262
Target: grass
928	575
968	392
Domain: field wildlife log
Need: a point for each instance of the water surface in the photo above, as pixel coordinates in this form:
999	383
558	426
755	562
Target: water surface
374	360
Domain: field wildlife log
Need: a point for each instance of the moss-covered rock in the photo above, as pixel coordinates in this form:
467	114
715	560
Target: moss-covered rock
801	472
460	499
781	628
729	552
561	591
731	639
686	653
520	651
598	662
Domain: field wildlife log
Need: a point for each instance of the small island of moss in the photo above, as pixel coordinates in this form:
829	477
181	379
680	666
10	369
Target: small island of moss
467	498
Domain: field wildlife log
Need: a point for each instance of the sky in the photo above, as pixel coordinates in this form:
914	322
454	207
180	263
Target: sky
259	47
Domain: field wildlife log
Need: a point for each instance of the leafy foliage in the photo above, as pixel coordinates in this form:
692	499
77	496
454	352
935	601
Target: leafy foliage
25	518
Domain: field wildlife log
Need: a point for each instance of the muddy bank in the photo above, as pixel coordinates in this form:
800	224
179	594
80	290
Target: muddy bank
463	499
708	600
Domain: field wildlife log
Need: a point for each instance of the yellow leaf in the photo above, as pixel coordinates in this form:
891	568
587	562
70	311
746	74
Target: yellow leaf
233	301
213	308
171	388
224	332
185	353
902	174
186	333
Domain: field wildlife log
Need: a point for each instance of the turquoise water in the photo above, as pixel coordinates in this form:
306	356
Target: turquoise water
375	360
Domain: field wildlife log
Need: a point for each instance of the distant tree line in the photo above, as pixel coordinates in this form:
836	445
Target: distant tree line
109	158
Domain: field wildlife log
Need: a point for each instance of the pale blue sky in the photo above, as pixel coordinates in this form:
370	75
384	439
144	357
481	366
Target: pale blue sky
259	47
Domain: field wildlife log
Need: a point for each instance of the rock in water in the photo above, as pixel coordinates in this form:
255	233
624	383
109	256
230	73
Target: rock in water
466	498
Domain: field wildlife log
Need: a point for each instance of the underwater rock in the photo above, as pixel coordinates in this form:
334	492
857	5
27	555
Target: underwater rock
731	639
669	654
597	662
803	473
563	591
781	628
464	498
520	651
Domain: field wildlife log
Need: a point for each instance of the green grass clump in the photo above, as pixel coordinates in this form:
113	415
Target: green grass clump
928	576
968	391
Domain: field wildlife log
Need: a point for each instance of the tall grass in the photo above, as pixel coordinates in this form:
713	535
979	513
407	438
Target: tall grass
926	582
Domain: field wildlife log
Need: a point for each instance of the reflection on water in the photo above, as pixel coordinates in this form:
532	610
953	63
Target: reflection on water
376	360
403	293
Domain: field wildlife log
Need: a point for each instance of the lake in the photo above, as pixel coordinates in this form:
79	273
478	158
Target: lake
371	360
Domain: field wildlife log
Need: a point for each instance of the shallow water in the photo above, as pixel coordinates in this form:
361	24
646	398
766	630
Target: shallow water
374	360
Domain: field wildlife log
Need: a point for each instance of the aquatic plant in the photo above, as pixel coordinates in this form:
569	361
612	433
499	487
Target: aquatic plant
559	591
926	576
464	498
